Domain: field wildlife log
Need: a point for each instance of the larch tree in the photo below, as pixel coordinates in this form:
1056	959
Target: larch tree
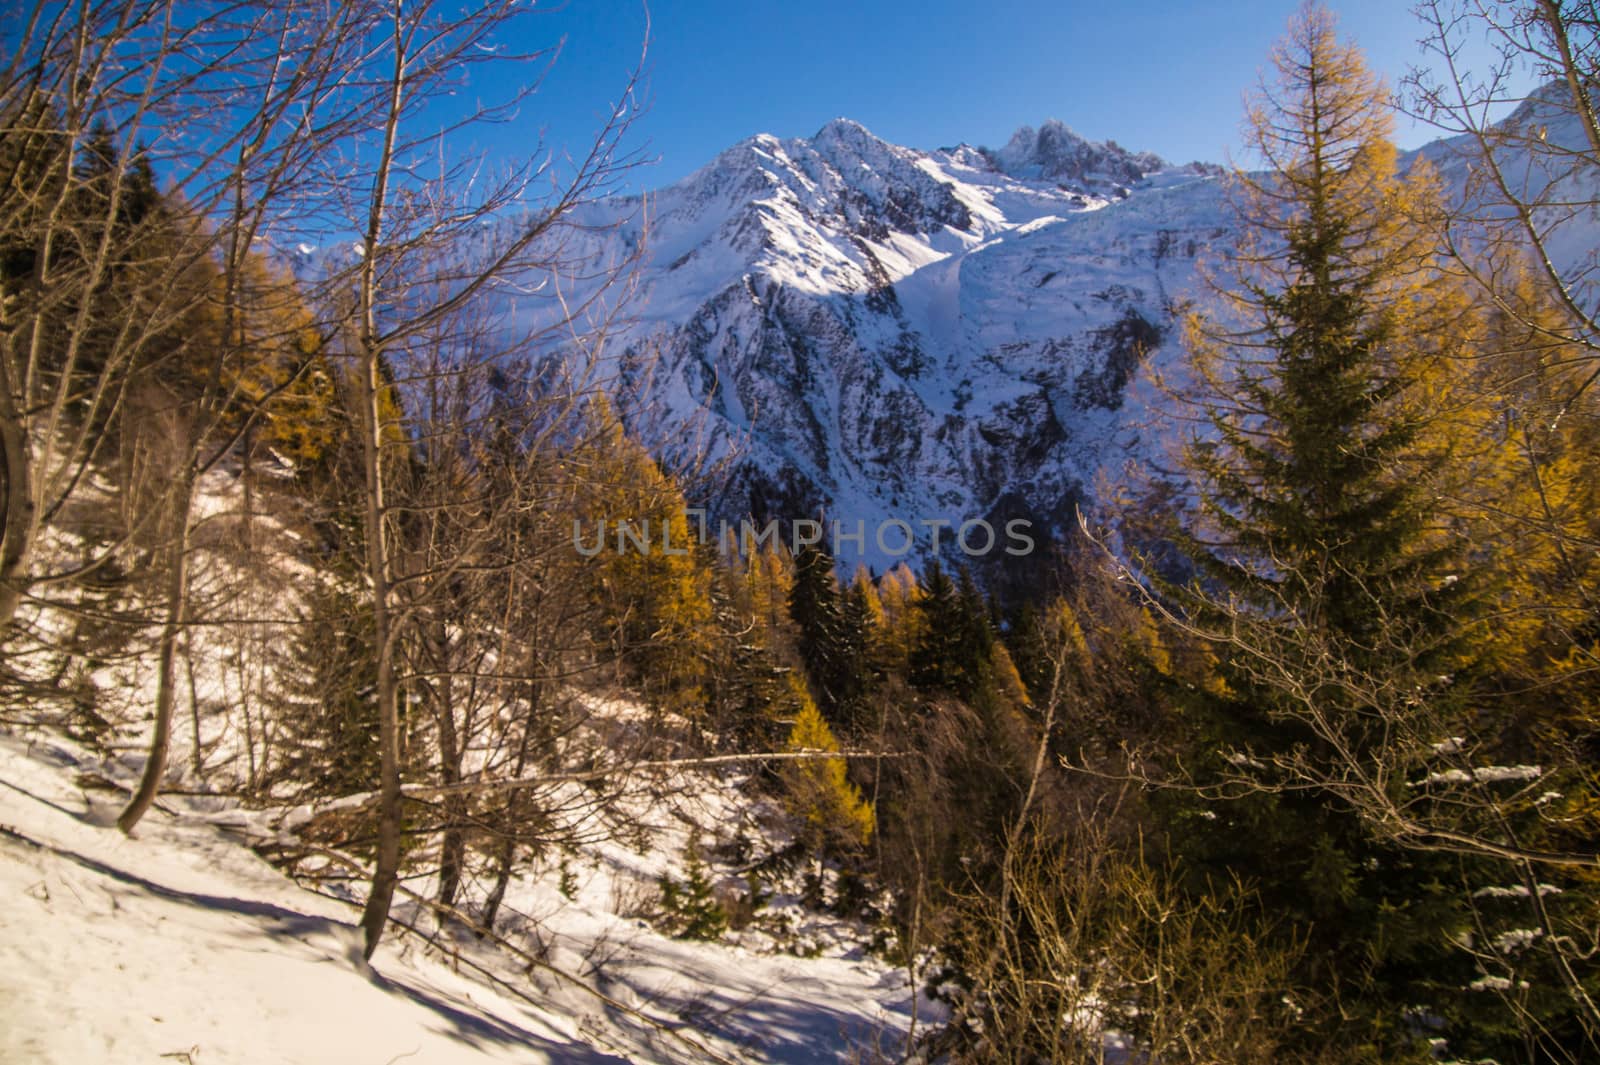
836	816
654	581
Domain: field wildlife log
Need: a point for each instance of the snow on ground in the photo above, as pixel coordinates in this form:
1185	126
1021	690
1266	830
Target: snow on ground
182	944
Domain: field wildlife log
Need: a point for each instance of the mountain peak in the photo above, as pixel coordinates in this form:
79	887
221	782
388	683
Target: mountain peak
1055	152
842	127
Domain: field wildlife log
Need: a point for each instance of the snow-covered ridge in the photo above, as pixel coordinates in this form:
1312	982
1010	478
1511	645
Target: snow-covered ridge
1053	152
880	332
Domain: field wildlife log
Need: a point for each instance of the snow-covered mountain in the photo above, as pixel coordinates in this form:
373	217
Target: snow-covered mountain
878	332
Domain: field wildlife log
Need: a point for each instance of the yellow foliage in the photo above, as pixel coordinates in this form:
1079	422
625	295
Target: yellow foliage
769	574
862	582
1007	681
898	595
1062	627
273	369
819	790
655	582
1147	642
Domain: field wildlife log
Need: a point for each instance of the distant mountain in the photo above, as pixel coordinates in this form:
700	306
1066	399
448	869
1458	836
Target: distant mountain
875	332
1055	153
878	332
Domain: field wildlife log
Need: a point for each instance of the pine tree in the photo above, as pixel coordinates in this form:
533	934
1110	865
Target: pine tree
952	648
833	632
814	608
153	314
860	617
1327	554
324	696
751	691
1333	440
693	910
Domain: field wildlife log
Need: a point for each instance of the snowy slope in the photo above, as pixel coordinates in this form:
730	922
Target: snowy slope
1548	163
881	332
126	950
183	942
888	333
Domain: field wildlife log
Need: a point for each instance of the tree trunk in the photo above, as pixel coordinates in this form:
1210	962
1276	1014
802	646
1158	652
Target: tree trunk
506	853
172	630
16	499
386	869
453	845
503	860
196	750
247	492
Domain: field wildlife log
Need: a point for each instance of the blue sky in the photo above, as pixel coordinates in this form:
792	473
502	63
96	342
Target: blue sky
1160	76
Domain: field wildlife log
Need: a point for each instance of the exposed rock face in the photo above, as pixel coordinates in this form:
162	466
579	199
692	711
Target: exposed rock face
1055	153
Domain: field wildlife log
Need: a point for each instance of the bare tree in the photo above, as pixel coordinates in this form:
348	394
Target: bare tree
114	118
1530	189
146	146
475	240
450	265
1094	953
256	160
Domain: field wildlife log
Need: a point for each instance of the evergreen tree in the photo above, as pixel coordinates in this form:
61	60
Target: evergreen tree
859	617
952	648
1332	442
814	608
152	310
324	695
693	910
832	627
752	691
1030	649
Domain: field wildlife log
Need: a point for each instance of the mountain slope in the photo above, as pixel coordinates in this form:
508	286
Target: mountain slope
181	944
878	332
